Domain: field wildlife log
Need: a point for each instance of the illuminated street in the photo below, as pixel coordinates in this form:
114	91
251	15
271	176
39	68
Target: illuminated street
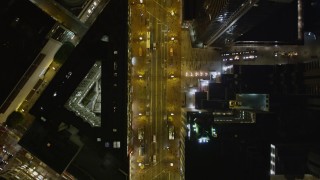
160	89
156	102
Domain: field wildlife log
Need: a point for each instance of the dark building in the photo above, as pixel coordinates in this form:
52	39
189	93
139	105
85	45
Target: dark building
215	105
191	9
21	39
312	17
288	120
247	22
253	79
95	152
266	79
311	78
216	91
233	152
50	144
294	159
200	97
314	161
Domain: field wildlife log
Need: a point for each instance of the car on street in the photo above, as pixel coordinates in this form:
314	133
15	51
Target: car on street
171	132
171	51
140	134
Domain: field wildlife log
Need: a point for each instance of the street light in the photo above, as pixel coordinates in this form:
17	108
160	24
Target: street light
172	13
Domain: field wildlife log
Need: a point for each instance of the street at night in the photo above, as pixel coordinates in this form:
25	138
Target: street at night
160	90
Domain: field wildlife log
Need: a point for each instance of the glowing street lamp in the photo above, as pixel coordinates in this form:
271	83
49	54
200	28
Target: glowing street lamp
172	13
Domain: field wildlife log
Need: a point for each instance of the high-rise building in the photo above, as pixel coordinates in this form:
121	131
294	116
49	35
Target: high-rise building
224	23
105	145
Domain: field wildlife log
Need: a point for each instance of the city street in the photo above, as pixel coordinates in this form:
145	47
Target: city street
155	47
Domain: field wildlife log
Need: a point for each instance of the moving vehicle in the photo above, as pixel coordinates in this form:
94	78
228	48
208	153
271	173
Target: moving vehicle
141	134
171	132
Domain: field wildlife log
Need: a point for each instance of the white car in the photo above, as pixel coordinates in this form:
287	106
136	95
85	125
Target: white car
154	46
154	158
140	134
141	150
171	51
171	132
154	138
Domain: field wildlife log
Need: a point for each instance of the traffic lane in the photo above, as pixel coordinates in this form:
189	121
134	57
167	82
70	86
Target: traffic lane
159	99
161	116
159	82
153	98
